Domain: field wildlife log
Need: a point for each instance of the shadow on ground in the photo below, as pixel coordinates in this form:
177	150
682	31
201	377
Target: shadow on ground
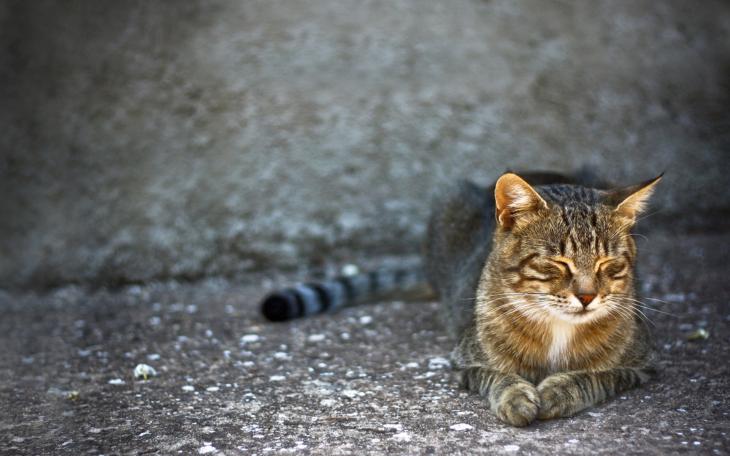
369	379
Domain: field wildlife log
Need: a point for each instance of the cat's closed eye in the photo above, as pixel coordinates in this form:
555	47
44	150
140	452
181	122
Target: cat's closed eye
614	269
544	269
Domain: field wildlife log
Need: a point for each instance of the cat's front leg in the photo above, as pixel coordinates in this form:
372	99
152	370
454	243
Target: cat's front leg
512	398
568	393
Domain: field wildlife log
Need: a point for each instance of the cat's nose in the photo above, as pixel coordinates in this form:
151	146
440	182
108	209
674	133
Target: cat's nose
585	299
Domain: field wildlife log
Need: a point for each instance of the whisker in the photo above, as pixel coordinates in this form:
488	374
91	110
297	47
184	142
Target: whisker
645	306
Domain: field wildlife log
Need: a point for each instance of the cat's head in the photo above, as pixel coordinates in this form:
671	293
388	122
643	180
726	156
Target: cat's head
566	251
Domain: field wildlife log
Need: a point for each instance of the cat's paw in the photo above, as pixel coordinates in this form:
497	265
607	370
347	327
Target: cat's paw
557	397
518	404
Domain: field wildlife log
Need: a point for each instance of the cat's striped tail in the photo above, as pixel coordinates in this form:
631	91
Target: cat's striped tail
303	300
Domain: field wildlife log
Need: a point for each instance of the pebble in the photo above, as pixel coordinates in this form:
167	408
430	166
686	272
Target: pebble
352	394
438	363
207	449
402	437
366	320
316	338
188	388
277	378
212	389
116	381
511	448
144	371
461	427
248	338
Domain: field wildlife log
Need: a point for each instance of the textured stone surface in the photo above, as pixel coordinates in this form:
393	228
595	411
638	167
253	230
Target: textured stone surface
153	140
371	378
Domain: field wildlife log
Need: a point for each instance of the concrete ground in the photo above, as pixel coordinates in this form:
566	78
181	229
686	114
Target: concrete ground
371	379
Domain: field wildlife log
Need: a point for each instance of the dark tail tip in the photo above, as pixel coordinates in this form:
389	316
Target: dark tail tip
280	306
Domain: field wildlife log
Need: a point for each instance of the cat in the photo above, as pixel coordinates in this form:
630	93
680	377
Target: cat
536	283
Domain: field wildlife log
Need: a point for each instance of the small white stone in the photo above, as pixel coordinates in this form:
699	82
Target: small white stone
573	441
144	371
316	338
207	449
327	402
426	375
402	437
153	357
461	427
438	363
350	270
116	381
282	356
250	338
412	365
366	320
277	378
511	448
188	388
212	389
352	394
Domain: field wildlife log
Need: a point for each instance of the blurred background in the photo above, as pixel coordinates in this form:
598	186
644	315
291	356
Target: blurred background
180	140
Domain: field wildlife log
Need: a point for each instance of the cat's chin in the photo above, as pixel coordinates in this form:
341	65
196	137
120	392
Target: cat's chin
578	317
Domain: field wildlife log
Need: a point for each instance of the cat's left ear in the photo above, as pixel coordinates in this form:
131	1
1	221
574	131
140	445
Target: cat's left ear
631	201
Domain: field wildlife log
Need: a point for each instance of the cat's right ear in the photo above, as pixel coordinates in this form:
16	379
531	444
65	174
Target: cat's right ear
515	199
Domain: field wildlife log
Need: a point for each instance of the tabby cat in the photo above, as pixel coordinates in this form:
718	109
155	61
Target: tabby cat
536	283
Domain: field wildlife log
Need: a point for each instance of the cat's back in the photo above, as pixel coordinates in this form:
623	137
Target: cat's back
456	245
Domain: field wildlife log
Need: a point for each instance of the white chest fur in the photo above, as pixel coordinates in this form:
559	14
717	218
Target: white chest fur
562	336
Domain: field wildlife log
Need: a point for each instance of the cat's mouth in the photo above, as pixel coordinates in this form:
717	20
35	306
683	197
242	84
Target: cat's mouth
577	315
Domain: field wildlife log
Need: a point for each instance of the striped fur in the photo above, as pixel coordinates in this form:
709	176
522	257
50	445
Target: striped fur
308	299
509	265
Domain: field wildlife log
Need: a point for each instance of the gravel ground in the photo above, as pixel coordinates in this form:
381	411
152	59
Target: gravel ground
372	379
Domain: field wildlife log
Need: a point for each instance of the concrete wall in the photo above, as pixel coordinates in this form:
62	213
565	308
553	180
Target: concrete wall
145	140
